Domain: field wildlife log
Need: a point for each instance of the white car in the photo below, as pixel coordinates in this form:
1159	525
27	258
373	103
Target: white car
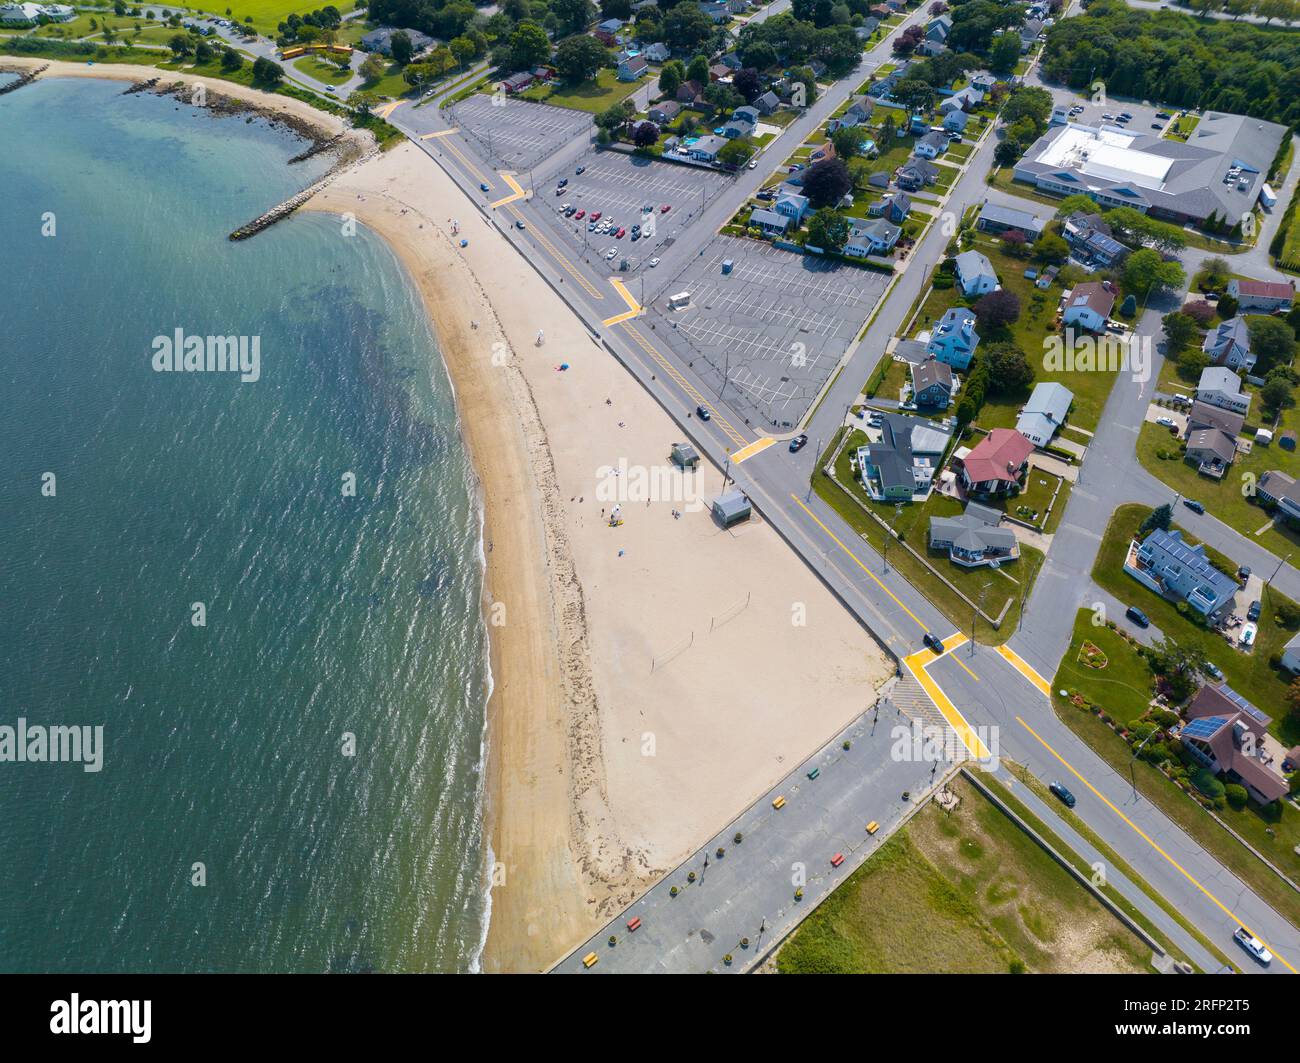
753	164
1166	422
654	262
1253	945
611	253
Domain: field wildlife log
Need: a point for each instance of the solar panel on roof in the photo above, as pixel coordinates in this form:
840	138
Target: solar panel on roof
1204	728
1244	705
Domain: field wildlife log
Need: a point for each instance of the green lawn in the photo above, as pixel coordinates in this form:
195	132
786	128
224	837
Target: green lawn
1005	586
1182	129
266	14
321	70
593	96
1122	687
1287	243
1248	674
390	84
961	892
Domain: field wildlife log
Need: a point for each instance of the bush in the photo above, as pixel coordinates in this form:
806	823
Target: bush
1204	780
1236	795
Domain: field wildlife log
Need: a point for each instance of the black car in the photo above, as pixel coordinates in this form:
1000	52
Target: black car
1137	616
1062	794
1252	614
1193	505
702	412
933	642
1243	573
563	181
797	443
580	170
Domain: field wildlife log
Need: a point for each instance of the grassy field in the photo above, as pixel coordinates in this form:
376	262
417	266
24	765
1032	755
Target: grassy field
1029	333
962	892
1248	674
321	70
266	14
1005	586
592	96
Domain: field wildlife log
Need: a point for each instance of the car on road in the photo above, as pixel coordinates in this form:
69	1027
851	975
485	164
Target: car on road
620	234
1062	794
1193	505
753	164
1253	945
1137	616
580	215
702	412
1243	573
653	262
798	442
1166	422
483	187
933	642
519	224
1252	614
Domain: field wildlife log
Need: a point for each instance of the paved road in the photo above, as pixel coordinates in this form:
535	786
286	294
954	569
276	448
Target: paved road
990	690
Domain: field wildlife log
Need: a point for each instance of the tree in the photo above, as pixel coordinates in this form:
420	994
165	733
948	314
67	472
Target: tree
736	152
1179	664
616	9
1051	249
1004	54
1029	102
915	95
1009	371
847	141
748	83
266	72
689	28
998	309
463	49
1199	311
180	45
1191	362
1161	517
1227	307
575	15
1014	243
202	51
1276	394
906	42
645	134
362	103
401	47
231	60
1272	341
529	46
1146	270
698	70
1129	306
579	59
372	67
1215	274
671	76
1180	332
828	230
825	183
1075	204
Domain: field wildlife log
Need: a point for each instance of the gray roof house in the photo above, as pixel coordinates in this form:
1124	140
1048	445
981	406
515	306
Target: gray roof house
932	383
769	220
381	40
874	237
997	219
706	148
975	273
902	465
664	112
915	174
1164	563
930	146
767	103
1219	171
731	508
1045	412
1220	386
1229	345
973	538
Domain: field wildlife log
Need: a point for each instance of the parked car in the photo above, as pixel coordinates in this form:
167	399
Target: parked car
563	181
1252	614
1253	945
1137	616
933	642
797	443
753	164
1157	125
580	170
611	253
1062	794
1213	670
702	412
665	208
653	262
1193	505
1243	573
595	215
620	234
1164	114
1167	422
580	215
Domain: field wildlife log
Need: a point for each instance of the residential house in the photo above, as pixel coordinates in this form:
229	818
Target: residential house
1227	734
1220	386
689	92
732	61
932	383
517	82
1211	450
20	14
1262	295
897	207
706	148
737	127
954	339
1088	306
869	26
1164	563
879	179
631	69
719	72
658	52
902	464
1229	345
956	121
769	221
996	464
930	48
1203	415
973	538
975	274
717	12
875	237
1276	490
930	146
937	29
793	206
381	40
999	220
1045	412
665	112
610	25
1291	657
981	80
825	151
1091	239
605	37
915	174
748	113
767	102
967	99
1029	31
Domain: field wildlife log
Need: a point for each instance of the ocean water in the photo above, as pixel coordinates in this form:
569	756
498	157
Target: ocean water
327	614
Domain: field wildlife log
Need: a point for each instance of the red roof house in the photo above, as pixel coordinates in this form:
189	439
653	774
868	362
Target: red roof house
997	463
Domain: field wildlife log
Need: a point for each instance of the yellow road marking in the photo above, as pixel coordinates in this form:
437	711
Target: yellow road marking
858	562
634	308
518	192
618	319
685	385
756	447
389	108
917	663
1024	668
439	133
469	166
1141	834
555	253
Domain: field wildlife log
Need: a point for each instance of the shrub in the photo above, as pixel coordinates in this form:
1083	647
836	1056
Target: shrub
1203	779
1236	795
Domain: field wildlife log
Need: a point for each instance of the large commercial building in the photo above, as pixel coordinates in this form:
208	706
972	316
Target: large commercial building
1217	173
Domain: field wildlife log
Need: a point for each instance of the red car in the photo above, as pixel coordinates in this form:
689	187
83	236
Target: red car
595	215
620	234
665	208
580	215
837	859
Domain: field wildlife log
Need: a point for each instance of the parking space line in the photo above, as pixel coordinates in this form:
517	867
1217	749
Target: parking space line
1146	838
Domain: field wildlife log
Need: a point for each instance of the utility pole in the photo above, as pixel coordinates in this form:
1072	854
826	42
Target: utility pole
1132	775
975	612
816	454
889	534
1277	570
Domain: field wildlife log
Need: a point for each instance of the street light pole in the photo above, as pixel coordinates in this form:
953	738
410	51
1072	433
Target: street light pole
1277	570
1132	775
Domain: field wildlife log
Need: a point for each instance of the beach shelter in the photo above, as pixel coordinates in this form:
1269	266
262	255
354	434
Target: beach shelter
685	455
731	508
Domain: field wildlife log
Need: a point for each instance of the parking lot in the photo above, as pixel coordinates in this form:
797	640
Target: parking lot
517	134
619	187
775	326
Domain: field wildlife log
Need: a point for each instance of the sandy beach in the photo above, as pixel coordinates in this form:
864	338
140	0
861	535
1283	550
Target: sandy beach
651	678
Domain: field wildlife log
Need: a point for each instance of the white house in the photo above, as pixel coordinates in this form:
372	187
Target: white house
1045	412
975	273
1220	386
1088	306
1229	345
875	237
930	146
706	148
1262	295
658	52
954	339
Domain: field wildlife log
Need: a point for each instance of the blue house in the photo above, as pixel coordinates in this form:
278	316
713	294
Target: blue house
954	339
